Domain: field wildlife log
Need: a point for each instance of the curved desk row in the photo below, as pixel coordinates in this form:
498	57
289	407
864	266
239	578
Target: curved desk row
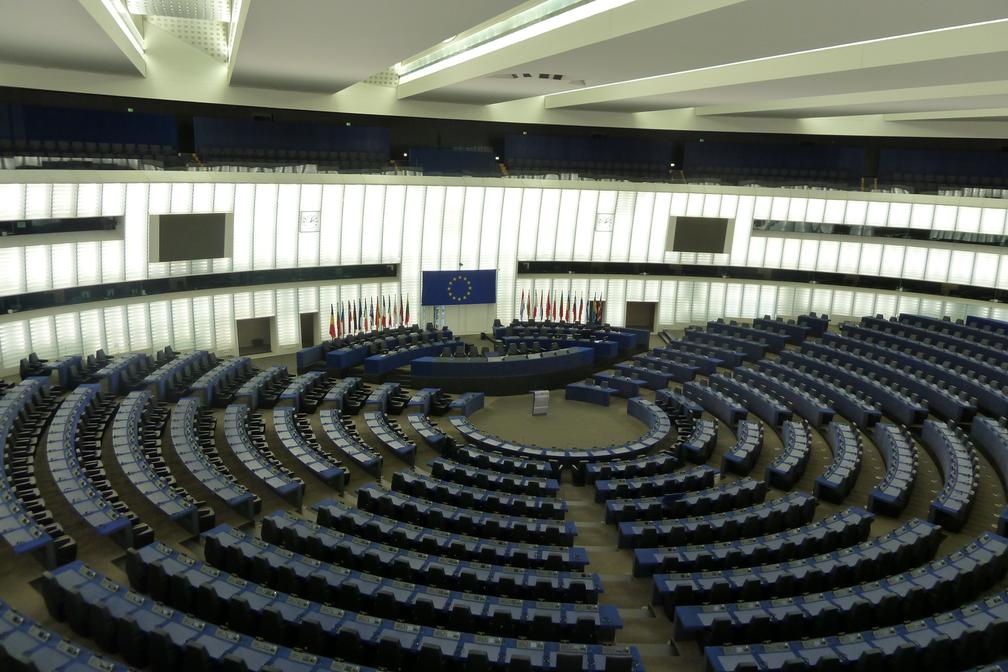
151	479
203	462
788	467
22	513
659	428
251	392
163	379
503	374
206	386
385	362
942	365
349	356
602	349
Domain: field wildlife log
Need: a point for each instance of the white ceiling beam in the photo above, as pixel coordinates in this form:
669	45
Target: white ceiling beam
842	100
531	43
235	30
934	45
115	20
992	113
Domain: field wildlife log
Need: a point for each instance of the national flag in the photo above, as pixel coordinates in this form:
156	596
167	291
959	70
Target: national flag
535	311
521	307
541	312
528	301
598	312
407	311
353	317
377	314
332	322
580	311
548	315
402	317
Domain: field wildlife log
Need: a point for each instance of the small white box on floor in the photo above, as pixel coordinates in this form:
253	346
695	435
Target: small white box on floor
540	402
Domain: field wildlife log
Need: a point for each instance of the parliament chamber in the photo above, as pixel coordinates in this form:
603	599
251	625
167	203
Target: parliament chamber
503	335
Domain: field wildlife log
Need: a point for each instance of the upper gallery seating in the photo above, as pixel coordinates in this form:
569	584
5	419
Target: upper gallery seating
250	141
594	157
773	164
85	135
931	170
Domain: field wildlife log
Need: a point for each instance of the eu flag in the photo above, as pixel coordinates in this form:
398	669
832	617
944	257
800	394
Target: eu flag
446	288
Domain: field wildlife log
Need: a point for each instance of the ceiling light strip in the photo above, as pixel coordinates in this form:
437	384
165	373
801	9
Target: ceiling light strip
542	27
124	21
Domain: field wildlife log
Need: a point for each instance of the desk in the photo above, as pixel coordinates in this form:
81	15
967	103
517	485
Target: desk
621	385
507	374
593	394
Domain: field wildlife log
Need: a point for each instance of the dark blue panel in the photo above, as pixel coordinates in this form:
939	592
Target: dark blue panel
446	288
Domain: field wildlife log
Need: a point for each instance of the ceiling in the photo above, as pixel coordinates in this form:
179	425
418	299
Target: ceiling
900	67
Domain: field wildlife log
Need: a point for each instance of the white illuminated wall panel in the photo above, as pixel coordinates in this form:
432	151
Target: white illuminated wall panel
435	227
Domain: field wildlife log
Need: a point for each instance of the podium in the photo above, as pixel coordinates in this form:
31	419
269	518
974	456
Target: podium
540	402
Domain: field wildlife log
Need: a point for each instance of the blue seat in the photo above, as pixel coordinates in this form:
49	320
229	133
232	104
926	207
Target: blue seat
488	459
27	645
957	638
806	403
307	451
256	457
846	528
890	496
375	499
85	486
649	465
960	471
715	401
723	497
907	546
153	481
696	478
347	588
492	479
378	527
493	501
348	442
897	404
748	446
391	436
942	394
785	469
791	510
299	535
836	481
203	462
854	406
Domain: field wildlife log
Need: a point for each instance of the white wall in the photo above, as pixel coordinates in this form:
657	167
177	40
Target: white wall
441	224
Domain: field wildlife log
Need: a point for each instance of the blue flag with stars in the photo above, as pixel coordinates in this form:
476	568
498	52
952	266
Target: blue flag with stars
447	288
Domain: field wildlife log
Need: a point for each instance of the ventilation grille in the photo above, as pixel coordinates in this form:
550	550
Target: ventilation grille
207	36
387	78
203	10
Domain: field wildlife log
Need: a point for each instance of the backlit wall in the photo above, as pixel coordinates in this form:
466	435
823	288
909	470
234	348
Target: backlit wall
433	224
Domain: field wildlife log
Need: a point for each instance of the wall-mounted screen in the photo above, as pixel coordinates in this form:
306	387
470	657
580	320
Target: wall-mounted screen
699	234
205	235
